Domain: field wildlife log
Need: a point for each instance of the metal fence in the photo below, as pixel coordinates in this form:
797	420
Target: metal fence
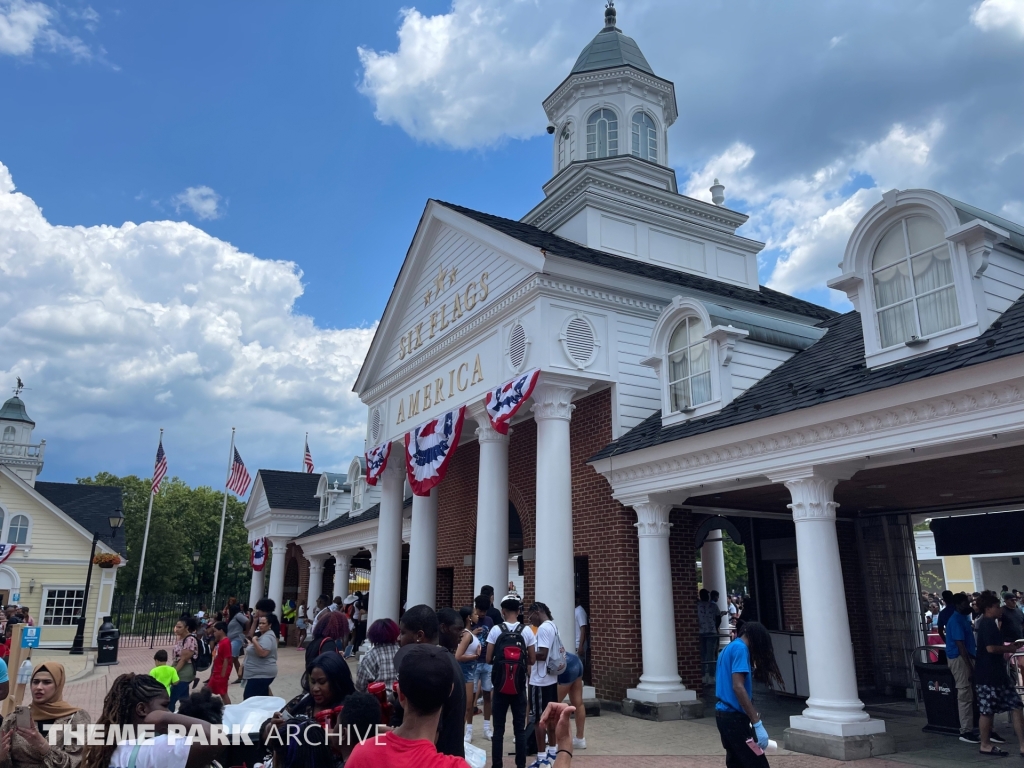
152	622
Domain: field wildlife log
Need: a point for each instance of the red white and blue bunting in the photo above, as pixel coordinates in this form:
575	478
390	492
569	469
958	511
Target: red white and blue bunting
6	550
429	449
504	401
258	556
377	462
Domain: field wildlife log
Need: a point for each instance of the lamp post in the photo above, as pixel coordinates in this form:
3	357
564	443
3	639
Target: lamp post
116	520
196	554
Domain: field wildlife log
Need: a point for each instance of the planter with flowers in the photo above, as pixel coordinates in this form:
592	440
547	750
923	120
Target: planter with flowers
104	560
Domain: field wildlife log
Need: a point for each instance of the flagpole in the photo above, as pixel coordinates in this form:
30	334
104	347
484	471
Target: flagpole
145	541
223	513
305	448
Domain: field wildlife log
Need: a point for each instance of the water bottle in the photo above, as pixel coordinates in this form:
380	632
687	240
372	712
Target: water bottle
25	672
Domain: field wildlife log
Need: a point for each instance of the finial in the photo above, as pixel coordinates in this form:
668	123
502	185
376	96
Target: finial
609	15
19	387
717	193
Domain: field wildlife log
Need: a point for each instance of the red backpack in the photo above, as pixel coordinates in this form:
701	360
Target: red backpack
508	670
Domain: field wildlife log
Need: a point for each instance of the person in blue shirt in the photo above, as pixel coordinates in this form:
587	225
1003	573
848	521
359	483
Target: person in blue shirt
945	613
961	651
747	658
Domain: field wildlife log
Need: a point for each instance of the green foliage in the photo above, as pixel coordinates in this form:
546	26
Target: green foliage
735	565
184	520
932	581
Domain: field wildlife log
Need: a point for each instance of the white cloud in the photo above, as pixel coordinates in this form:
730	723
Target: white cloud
991	15
26	25
202	201
469	77
806	220
121	330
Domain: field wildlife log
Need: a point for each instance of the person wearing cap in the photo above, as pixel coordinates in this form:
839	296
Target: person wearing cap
1012	624
501	703
425	681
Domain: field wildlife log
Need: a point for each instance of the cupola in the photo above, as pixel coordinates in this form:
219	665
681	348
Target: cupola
16	448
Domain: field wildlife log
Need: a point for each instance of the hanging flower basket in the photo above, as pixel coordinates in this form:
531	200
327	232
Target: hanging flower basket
107	561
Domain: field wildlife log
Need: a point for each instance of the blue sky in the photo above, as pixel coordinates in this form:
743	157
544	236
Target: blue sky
277	159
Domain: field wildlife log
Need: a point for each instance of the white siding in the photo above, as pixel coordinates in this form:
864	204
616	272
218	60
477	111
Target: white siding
1003	282
450	249
752	361
639	393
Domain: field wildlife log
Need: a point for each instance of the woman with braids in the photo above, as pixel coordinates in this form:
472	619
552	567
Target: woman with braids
29	747
142	700
747	658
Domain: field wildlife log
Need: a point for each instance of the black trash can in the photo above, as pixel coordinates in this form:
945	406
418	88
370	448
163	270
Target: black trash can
938	689
107	640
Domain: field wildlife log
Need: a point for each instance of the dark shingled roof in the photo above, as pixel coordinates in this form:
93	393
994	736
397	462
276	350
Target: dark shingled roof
567	249
291	490
89	506
345	521
831	369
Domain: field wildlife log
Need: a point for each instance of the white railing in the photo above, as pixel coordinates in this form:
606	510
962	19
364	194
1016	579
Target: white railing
22	451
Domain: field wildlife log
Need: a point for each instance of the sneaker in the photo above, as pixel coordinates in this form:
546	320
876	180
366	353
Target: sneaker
488	731
541	762
996	738
469	733
579	743
970	737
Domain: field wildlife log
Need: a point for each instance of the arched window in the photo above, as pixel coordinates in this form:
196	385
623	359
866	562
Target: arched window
645	137
689	365
912	273
566	146
18	532
602	134
8	434
1	519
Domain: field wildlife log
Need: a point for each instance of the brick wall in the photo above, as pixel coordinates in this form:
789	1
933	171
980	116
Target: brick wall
683	556
602	530
856	605
789	591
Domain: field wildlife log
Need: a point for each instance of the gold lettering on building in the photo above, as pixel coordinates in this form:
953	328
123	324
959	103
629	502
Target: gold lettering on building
475	292
431	393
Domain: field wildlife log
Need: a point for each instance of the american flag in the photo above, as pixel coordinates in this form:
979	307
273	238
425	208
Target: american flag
160	469
239	480
307	459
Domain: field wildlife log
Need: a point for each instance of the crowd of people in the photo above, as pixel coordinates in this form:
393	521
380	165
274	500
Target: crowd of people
981	632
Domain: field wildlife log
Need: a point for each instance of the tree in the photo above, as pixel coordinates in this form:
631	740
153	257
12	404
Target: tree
184	520
735	565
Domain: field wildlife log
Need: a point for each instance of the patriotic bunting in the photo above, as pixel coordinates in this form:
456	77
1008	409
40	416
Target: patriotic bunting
429	449
258	556
6	550
504	401
377	462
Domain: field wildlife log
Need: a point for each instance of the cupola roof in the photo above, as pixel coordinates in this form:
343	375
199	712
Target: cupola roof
14	410
610	48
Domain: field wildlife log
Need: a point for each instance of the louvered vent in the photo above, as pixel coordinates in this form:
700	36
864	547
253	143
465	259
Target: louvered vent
517	346
579	341
375	421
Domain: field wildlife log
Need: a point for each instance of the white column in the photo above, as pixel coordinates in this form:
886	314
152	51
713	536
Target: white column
256	590
555	580
490	563
660	681
712	569
342	566
422	588
833	707
316	578
388	589
371	612
278	548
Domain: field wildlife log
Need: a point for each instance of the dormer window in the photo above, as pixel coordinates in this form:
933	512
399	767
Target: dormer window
912	275
689	366
645	137
8	435
566	146
357	494
602	134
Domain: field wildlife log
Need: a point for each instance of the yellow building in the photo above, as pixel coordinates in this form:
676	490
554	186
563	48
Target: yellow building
50	528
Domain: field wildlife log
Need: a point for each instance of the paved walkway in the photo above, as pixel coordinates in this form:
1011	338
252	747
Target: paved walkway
611	737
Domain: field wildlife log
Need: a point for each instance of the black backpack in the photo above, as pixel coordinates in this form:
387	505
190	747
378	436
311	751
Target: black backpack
203	657
508	670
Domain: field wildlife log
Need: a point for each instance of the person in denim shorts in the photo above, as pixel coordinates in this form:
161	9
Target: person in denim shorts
570	683
481	628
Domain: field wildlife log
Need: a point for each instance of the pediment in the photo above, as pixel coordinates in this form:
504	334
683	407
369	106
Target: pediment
455	268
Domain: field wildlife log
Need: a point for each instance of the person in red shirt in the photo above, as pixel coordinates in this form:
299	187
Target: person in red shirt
220	669
425	679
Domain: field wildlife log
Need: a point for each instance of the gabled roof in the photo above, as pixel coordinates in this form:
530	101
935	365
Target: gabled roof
559	246
371	513
89	506
290	490
14	410
830	369
966	212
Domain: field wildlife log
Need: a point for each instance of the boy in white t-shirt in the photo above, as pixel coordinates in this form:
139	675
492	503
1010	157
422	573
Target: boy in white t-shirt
543	684
501	703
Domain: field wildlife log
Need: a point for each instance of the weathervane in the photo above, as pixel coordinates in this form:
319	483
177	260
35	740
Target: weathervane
20	387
